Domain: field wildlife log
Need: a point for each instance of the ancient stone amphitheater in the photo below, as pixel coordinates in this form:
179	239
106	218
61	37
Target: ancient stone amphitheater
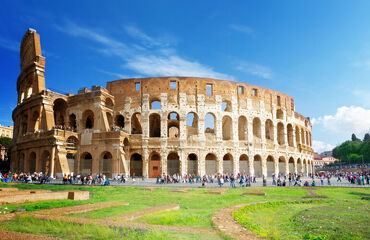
154	126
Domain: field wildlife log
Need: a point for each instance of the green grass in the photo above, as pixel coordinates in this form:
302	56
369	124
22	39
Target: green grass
310	219
196	206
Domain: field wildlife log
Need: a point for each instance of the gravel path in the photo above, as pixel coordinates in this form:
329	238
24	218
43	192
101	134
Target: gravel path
23	236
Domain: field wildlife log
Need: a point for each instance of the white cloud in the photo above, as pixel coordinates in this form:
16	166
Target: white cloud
9	45
243	29
320	146
148	57
255	69
347	120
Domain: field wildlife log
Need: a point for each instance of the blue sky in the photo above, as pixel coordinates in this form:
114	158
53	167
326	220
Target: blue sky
316	51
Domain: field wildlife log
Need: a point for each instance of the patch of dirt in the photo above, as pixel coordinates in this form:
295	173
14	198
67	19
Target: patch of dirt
315	195
23	236
181	190
255	192
149	211
218	191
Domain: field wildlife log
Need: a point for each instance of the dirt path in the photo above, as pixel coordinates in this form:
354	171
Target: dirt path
80	208
225	222
149	211
23	236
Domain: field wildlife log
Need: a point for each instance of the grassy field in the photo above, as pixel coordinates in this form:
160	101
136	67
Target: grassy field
196	209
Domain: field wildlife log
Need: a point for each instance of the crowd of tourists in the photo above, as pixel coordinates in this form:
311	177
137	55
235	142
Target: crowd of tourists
62	127
24	177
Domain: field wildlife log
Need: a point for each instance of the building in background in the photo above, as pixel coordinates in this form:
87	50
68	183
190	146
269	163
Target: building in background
6	131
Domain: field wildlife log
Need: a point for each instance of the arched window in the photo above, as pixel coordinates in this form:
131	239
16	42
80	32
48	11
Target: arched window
173	125
88	119
60	107
269	130
227	128
226	106
155	104
136	124
191	124
209	123
290	135
72	122
280	133
279	114
257	128
154	125
211	164
120	121
242	128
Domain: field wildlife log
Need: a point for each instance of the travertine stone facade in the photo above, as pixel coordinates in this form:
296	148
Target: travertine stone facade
151	126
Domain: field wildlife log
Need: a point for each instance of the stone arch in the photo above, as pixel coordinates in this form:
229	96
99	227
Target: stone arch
307	141
242	128
86	163
88	119
59	108
279	114
302	137
154	125
227	128
154	165
35	121
227	163
297	135
282	165
20	163
290	135
136	165
291	165
71	161
32	162
105	164
191	124
45	162
211	164
304	169
270	165
155	104
269	130
120	121
136	124
108	103
299	165
173	125
24	124
257	129
173	163
244	164
210	123
71	143
226	106
280	133
257	165
193	164
72	122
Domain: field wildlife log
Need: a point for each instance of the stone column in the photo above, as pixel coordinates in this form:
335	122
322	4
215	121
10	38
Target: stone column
287	166
236	167
264	166
276	165
251	164
220	167
145	159
52	162
263	134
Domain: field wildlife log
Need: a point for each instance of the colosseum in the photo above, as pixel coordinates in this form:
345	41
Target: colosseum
154	126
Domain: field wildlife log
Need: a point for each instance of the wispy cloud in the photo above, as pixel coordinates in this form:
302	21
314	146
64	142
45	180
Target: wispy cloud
242	29
320	146
254	69
9	45
149	56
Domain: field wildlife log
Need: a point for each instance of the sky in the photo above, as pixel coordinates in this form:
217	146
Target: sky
315	51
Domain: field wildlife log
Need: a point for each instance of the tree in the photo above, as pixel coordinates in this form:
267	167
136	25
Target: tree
367	137
5	141
354	138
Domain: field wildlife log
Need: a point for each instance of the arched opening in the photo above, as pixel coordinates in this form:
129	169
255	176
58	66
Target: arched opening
71	160
155	104
110	120
45	162
24	124
136	124
86	164
307	142
226	106
280	133
173	125
72	122
297	137
269	130
105	164
191	124
299	165
29	91
154	125
71	143
88	119
21	162
155	165
227	128
279	114
282	165
32	162
290	135
304	171
136	165
211	164
35	121
109	103
244	164
291	165
227	163
270	164
192	164
257	164
242	128
209	123
120	121
60	107
257	130
173	164
302	137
